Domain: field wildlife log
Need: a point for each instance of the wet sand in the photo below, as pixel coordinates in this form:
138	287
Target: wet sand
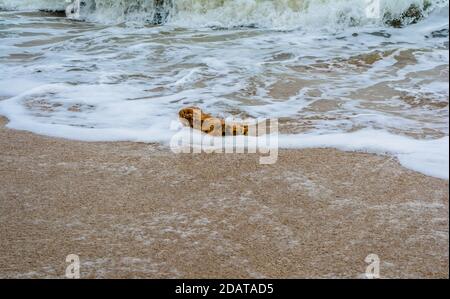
133	210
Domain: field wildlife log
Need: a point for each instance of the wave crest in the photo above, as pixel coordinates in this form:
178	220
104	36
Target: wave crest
275	14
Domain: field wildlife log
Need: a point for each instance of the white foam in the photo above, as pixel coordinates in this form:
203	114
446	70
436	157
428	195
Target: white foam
430	157
13	87
33	4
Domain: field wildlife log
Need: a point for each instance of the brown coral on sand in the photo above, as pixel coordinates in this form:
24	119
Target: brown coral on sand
195	118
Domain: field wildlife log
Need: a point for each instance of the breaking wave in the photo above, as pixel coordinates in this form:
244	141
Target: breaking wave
277	14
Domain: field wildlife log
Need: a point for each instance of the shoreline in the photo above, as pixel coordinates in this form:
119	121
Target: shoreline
133	210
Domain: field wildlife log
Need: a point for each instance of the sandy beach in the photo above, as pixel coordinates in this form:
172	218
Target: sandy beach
135	210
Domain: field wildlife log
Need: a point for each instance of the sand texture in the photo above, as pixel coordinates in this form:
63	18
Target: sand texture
133	210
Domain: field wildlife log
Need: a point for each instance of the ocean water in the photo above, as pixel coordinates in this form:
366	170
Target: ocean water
334	73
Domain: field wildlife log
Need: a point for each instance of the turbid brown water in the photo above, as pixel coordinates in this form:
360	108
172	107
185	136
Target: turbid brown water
133	210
